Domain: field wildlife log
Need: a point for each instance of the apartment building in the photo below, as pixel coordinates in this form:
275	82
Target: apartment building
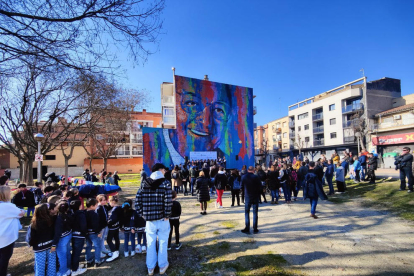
326	122
278	137
393	130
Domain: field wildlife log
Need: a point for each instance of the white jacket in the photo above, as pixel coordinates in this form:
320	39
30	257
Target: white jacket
9	223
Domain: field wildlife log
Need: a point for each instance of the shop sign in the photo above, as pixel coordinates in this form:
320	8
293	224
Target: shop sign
393	139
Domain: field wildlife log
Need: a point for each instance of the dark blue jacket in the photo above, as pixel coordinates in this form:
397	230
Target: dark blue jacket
329	170
92	222
115	218
80	228
103	216
63	227
363	160
345	165
313	187
252	187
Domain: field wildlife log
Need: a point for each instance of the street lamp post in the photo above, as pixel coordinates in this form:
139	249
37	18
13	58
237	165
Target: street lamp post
39	138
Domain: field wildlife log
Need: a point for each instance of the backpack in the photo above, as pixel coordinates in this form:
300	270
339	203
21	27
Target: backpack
174	175
293	176
236	184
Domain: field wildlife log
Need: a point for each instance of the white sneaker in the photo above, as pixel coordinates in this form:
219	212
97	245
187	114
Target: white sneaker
79	271
138	249
215	204
220	207
132	253
126	254
115	255
151	272
163	269
144	249
68	272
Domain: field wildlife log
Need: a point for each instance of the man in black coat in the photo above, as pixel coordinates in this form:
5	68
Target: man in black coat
372	166
252	189
404	162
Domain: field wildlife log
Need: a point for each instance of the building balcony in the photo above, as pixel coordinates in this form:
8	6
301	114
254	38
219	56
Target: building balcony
317	117
292	134
349	123
352	108
136	141
122	152
319	142
318	129
137	152
292	124
393	124
277	130
349	139
168	120
168	100
254	110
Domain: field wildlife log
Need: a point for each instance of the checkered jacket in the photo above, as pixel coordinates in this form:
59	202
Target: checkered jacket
154	199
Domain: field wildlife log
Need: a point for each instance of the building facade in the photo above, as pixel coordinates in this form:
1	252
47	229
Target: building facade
327	122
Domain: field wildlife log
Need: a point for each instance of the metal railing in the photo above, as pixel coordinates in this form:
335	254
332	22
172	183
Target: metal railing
349	139
318	129
394	123
139	140
318	142
318	116
352	108
137	152
122	152
292	124
349	123
292	134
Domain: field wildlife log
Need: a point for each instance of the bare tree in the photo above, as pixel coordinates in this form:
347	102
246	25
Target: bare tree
298	143
82	35
40	102
359	128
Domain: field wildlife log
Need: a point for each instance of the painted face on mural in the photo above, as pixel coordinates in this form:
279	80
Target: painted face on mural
203	115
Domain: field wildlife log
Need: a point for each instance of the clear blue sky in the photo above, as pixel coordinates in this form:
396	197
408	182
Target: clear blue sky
285	50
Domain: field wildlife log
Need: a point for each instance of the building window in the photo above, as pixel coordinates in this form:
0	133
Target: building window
168	111
285	135
332	121
284	124
299	128
285	145
332	107
307	139
333	135
306	127
50	157
303	116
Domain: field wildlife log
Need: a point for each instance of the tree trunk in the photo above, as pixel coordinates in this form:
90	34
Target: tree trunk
28	172
105	161
90	164
21	169
66	169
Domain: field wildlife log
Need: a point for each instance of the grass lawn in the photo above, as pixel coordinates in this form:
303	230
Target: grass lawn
127	180
381	194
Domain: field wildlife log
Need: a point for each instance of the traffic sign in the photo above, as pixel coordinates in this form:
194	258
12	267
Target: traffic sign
39	157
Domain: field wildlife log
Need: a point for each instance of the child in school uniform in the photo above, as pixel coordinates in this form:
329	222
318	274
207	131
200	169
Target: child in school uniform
102	212
128	227
175	222
114	223
139	228
41	239
94	233
63	236
78	236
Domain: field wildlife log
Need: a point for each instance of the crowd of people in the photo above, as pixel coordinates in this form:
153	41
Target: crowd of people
61	226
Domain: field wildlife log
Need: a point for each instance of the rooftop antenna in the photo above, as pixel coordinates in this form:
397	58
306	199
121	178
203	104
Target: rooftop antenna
363	72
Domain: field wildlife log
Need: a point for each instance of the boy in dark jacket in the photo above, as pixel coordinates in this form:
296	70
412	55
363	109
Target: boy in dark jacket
79	232
38	193
175	222
94	233
102	212
313	189
25	198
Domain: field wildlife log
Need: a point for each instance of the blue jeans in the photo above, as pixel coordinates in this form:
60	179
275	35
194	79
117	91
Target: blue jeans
128	236
275	195
330	184
96	241
77	246
144	238
193	180
63	253
104	233
248	204
313	203
160	229
43	258
406	172
286	191
363	172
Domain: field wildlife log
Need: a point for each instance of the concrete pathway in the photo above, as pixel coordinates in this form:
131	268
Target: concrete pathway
345	240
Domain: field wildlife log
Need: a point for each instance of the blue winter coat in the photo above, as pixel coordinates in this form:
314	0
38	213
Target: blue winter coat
329	170
357	165
313	187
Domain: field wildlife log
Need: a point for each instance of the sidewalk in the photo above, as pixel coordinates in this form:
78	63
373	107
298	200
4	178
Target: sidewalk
385	173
